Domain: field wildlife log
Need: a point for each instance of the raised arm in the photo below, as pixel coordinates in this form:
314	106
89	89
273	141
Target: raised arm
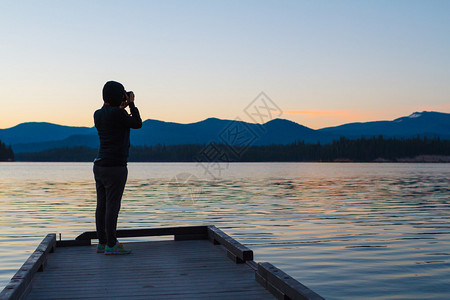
134	119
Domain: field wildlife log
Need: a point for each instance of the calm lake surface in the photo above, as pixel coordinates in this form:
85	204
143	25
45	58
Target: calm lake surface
347	231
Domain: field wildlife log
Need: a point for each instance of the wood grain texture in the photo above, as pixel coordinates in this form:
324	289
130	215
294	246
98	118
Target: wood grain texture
241	252
281	285
20	283
193	269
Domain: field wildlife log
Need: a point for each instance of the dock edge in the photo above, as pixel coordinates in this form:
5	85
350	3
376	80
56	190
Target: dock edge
20	283
277	282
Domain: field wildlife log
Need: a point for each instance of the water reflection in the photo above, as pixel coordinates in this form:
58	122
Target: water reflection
345	230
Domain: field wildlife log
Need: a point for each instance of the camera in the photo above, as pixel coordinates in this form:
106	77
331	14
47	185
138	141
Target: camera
128	94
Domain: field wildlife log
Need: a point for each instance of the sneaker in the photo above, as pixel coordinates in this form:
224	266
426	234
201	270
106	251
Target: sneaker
118	249
101	248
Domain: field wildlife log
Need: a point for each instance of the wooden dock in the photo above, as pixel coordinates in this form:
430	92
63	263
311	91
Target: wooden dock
191	266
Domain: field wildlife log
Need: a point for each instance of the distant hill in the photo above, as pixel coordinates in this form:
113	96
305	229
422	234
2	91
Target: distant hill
419	123
90	141
34	132
276	131
32	137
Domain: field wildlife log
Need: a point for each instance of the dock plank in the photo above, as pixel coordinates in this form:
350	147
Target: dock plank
193	269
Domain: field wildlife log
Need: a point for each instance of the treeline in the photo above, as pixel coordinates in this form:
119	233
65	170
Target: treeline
6	152
72	154
359	150
158	153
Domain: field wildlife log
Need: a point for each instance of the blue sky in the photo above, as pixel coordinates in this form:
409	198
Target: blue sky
323	63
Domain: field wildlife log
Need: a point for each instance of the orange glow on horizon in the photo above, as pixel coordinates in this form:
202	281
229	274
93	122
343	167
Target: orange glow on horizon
321	113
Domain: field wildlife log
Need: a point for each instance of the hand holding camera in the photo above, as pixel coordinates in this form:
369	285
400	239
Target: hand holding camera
128	98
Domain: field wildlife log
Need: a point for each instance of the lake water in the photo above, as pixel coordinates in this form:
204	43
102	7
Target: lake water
347	231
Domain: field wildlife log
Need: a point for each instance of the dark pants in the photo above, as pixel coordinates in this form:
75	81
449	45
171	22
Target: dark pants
110	183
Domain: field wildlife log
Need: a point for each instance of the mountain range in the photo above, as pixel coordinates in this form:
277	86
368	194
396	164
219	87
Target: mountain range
33	137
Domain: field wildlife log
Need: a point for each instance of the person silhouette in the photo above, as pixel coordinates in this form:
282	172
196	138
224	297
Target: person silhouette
113	125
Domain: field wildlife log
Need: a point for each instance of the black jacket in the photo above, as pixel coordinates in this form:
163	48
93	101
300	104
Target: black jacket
113	126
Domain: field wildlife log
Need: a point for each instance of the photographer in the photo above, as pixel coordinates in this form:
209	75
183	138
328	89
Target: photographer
113	125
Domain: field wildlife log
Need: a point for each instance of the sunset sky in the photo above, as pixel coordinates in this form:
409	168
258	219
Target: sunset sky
323	63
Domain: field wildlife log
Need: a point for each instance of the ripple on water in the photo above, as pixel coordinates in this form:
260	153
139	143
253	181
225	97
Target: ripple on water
345	230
